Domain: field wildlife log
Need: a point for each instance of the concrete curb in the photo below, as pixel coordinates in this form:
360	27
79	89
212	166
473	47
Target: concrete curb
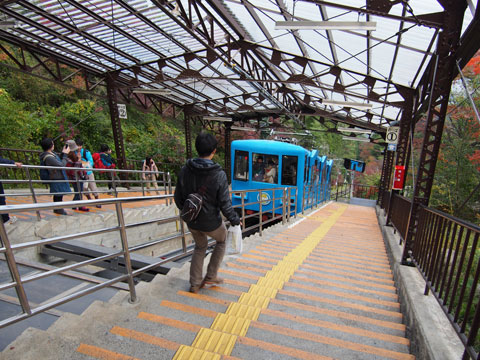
430	332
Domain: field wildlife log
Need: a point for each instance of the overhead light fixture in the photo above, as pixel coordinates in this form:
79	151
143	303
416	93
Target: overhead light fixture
238	128
325	25
353	130
291	133
352	104
8	24
217	118
152	91
362	139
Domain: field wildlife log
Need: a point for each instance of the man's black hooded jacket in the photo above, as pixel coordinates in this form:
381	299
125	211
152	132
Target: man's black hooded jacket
203	172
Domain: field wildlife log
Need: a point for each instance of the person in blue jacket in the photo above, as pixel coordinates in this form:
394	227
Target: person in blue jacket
87	161
5	217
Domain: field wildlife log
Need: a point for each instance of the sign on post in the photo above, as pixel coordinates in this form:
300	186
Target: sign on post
122	111
392	135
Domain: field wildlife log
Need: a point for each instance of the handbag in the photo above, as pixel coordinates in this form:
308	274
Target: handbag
234	240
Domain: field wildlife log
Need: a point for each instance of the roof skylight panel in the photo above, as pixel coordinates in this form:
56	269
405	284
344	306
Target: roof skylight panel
381	59
248	23
420	7
418	38
407	65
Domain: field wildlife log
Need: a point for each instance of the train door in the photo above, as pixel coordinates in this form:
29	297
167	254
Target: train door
240	165
289	176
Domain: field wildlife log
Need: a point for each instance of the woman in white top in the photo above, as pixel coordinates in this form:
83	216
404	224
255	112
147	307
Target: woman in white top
149	165
270	173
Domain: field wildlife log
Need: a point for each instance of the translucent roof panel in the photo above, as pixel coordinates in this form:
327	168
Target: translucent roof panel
230	57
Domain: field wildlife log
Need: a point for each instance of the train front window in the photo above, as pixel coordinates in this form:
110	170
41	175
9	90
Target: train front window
240	171
265	168
289	170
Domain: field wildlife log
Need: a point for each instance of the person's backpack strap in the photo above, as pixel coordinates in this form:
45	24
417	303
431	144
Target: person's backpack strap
45	173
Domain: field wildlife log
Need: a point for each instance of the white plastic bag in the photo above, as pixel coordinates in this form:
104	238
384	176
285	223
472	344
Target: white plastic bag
234	240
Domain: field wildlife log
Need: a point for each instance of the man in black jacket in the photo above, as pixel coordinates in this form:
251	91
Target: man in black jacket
196	173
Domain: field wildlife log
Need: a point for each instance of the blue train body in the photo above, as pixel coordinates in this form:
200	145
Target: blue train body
268	164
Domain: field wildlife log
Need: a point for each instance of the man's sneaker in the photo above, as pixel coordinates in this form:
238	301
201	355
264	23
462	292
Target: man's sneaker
83	208
211	282
60	212
98	206
194	289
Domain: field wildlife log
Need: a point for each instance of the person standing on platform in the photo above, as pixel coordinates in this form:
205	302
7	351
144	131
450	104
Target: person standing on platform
49	158
149	165
76	177
6	219
108	162
87	161
197	173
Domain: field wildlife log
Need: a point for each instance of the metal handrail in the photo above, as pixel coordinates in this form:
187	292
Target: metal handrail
165	181
284	199
446	253
9	250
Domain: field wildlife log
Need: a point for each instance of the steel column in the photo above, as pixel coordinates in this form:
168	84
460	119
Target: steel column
188	137
405	126
228	140
443	72
116	123
386	176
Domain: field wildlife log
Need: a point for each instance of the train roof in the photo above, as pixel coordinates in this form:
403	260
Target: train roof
268	145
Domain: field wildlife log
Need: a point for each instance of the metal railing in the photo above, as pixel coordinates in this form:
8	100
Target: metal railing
342	191
284	205
399	214
347	190
365	191
10	251
447	253
32	157
29	183
314	195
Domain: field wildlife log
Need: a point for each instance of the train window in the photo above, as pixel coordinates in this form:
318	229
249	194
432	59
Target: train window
265	168
289	170
240	171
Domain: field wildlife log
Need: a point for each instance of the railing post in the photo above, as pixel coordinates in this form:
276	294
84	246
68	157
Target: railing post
273	204
114	185
169	187
260	222
242	194
184	240
32	190
284	208
296	202
472	335
12	266
126	252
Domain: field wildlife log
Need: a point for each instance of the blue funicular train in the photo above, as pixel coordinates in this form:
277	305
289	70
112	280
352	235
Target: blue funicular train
268	164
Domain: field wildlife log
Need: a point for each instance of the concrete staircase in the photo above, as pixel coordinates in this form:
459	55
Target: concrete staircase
320	289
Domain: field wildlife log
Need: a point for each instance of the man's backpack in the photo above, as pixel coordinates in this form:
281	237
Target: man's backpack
191	207
44	173
193	204
97	161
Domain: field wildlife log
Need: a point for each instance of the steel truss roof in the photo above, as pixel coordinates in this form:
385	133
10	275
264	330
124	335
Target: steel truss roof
224	57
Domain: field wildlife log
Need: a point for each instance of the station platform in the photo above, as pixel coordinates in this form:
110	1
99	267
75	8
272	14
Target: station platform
318	288
43	196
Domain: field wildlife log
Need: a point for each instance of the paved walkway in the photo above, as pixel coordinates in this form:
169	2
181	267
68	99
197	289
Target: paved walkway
319	289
